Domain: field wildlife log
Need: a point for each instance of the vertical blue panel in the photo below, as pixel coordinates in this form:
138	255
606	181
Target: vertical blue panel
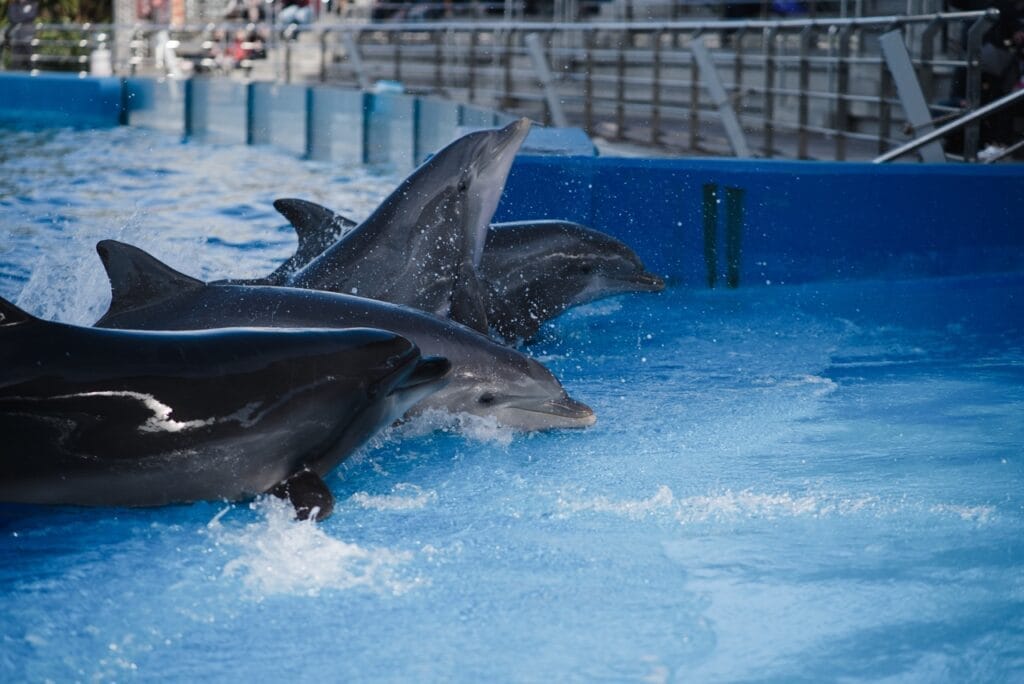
260	102
390	128
337	125
286	112
438	121
223	108
157	104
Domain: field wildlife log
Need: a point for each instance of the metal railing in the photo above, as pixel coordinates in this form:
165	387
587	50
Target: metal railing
799	88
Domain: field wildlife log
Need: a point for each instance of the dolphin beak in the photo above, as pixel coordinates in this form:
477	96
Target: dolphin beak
513	135
649	282
563	412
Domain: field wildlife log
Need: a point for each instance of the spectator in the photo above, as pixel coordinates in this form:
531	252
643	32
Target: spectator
295	13
21	31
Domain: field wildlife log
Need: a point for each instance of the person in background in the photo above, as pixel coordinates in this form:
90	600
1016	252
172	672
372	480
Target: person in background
294	13
21	31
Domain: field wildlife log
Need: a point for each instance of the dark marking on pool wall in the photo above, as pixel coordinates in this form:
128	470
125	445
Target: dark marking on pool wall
733	235
710	206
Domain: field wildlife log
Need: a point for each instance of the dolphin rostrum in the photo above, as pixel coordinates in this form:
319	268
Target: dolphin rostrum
487	379
126	418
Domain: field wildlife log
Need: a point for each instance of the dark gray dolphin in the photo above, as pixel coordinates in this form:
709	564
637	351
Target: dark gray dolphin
420	247
487	379
531	271
536	270
128	418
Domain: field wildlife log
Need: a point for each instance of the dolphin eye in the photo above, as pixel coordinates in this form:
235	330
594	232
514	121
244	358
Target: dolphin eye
463	185
486	399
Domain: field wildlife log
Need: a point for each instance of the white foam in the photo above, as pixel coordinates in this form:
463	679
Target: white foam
280	555
978	514
732	505
403	497
477	428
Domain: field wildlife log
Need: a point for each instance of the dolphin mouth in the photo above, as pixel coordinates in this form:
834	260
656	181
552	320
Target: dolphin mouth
561	413
649	282
515	133
429	370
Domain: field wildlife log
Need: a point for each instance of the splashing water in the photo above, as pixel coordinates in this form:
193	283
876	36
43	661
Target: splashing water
281	555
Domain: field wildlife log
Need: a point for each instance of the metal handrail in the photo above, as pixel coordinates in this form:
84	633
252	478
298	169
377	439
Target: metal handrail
801	78
942	131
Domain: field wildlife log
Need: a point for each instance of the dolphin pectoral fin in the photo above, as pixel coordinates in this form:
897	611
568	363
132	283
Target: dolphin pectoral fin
469	300
10	314
308	493
137	278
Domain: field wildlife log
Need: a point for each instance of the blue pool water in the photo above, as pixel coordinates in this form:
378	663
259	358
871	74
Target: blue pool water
786	483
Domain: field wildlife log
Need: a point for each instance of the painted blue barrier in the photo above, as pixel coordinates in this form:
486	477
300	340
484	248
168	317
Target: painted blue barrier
62	99
799	221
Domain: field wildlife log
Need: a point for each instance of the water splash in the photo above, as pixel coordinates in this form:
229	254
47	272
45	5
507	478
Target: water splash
729	505
477	428
281	555
403	497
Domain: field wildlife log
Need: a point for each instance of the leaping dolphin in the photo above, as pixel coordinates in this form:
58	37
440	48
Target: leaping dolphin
531	271
421	246
126	418
487	378
536	270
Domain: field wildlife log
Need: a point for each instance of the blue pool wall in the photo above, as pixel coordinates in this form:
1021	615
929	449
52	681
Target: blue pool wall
720	222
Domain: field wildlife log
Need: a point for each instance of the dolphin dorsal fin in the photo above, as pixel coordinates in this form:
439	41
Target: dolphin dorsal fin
317	228
137	278
12	315
316	225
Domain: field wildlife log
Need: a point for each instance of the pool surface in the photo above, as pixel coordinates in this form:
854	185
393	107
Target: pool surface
809	482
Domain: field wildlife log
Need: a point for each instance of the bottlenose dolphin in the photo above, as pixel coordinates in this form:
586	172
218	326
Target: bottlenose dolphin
531	271
487	378
536	270
420	247
127	418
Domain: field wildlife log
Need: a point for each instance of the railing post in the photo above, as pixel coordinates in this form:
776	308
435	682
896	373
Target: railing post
806	37
694	95
287	60
925	73
396	71
355	59
438	61
323	55
842	120
885	87
540	66
770	45
588	82
620	87
972	88
506	102
471	94
656	89
709	75
894	50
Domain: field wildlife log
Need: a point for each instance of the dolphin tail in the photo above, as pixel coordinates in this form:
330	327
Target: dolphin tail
308	493
137	278
468	301
12	315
